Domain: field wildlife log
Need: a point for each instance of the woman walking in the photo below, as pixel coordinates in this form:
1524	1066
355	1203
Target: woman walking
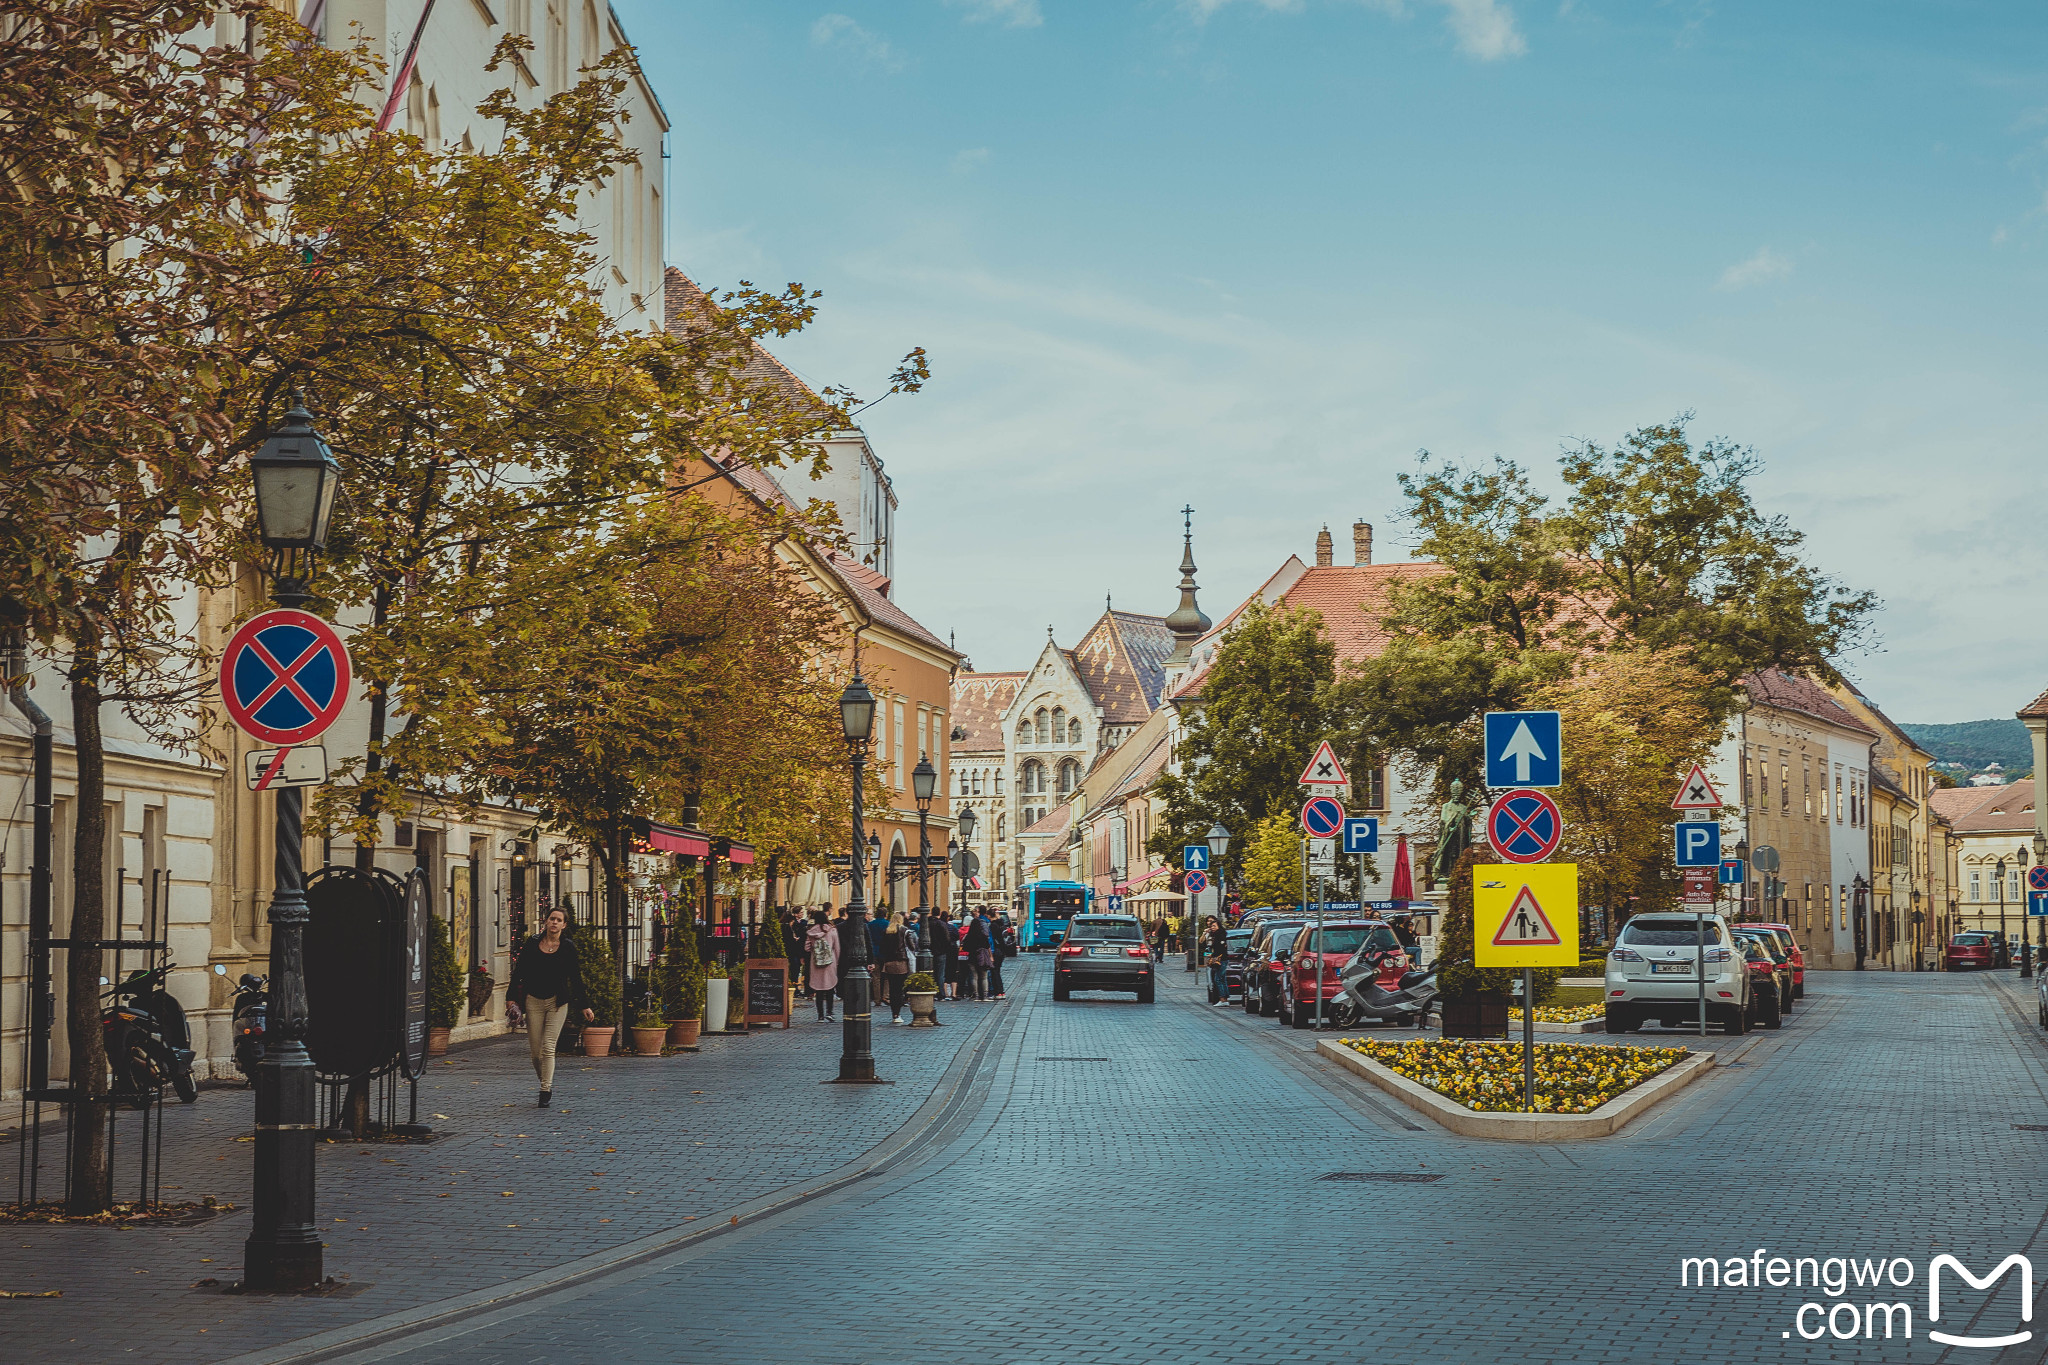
894	955
945	950
821	950
978	955
549	980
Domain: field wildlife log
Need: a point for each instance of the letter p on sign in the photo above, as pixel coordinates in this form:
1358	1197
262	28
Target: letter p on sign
1699	844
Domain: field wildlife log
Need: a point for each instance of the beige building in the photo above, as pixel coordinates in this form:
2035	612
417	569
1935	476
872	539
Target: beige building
1994	845
1909	854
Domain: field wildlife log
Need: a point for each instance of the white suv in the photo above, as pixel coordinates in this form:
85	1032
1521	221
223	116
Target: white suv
1651	974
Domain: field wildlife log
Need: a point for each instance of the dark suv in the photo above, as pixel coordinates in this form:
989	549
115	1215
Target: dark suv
1103	953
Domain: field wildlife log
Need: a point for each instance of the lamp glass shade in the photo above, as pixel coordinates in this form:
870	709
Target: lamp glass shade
1218	840
924	779
952	847
857	711
874	850
967	821
296	477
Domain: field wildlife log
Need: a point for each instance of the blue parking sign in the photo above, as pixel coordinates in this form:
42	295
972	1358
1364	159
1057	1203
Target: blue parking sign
1698	843
1362	834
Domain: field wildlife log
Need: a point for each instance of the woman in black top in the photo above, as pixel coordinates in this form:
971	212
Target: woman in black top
549	980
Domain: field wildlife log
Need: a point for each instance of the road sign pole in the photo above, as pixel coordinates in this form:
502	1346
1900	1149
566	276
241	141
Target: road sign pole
1699	966
1529	1039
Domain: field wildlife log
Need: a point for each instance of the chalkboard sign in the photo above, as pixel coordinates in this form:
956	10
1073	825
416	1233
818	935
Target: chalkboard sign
412	972
767	991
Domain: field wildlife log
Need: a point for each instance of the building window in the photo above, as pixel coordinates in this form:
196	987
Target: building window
1002	825
1059	724
1073	732
1763	772
960	783
1976	888
1069	771
901	771
1784	783
1838	794
1376	788
999	784
1806	783
1024	731
1044	727
1748	782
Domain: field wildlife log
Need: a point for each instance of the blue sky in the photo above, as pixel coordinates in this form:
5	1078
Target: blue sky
1255	255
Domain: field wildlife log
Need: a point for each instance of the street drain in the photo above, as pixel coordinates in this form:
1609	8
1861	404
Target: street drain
1395	1177
2032	1127
1073	1059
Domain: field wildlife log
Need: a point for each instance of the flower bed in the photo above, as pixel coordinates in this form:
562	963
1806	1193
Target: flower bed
1563	1014
1571	1078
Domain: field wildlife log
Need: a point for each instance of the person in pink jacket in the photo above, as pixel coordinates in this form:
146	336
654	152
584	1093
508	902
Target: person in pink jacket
821	952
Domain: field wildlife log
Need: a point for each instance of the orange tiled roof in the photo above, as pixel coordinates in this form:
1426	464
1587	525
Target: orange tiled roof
1789	692
1988	810
979	703
2036	708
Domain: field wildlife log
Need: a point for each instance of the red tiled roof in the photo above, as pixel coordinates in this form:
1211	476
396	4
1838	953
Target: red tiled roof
2036	708
689	311
878	608
1988	810
1147	768
978	704
1788	692
1052	822
1122	663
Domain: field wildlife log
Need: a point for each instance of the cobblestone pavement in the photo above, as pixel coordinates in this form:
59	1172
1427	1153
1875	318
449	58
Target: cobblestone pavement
1141	1184
635	1150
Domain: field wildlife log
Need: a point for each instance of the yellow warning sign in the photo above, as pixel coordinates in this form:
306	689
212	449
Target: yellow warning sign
1525	914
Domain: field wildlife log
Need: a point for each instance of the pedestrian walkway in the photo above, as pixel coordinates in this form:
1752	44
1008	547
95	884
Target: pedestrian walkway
633	1148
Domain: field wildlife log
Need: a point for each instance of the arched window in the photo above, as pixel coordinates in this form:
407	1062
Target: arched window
961	785
1032	779
1024	731
1059	725
1044	727
1074	731
1070	772
999	784
1002	825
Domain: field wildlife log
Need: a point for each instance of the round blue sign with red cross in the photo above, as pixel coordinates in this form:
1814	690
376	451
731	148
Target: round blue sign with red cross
2037	879
1322	816
1197	883
284	677
1523	825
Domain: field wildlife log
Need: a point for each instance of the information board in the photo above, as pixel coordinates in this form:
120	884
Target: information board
767	990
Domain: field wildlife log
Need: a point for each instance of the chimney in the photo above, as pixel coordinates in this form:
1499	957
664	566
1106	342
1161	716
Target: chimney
1361	542
1325	550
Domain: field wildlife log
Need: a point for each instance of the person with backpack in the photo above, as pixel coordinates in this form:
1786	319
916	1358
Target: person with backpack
821	951
1005	935
895	959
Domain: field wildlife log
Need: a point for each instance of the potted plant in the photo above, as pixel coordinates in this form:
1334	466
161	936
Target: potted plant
444	988
716	986
600	989
680	979
922	993
650	1032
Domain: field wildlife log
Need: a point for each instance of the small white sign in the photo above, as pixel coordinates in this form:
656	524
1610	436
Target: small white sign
304	765
1322	853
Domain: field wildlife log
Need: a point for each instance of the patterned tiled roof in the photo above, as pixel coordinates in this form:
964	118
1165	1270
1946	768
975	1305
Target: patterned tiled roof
1789	692
1122	663
979	703
2035	708
1988	810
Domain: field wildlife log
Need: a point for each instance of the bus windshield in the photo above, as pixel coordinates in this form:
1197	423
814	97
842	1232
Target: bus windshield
1054	902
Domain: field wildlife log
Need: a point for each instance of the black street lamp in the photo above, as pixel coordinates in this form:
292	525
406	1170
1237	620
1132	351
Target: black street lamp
2026	948
924	785
1218	840
2004	942
295	477
856	1054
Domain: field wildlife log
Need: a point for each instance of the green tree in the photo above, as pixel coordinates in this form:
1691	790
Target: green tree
1271	867
445	997
680	979
602	995
1265	706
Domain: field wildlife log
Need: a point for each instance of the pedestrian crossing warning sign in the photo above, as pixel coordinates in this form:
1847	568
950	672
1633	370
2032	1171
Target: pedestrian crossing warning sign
1525	914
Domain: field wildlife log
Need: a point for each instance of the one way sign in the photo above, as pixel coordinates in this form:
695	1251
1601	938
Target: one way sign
1524	749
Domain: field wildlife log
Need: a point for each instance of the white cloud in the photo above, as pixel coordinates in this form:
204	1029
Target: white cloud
1200	10
1485	29
840	31
1008	13
969	159
1765	265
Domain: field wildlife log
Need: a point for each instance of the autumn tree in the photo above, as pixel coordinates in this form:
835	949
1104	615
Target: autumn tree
1271	865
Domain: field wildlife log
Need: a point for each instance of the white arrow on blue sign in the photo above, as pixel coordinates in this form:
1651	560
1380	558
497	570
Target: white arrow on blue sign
1524	749
1699	844
1116	905
1194	858
1362	834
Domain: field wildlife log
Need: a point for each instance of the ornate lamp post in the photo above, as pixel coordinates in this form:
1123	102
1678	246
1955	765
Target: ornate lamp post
2004	941
856	1053
924	785
2026	947
295	477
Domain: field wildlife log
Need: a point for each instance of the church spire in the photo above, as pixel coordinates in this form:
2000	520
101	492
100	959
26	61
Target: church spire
1187	622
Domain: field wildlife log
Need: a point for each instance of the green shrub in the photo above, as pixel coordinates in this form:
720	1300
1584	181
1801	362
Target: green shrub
601	994
771	941
680	977
1592	966
1458	978
444	978
921	981
716	972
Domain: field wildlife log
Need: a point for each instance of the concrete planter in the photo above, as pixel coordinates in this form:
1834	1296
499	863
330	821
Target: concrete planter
1608	1119
715	990
923	1008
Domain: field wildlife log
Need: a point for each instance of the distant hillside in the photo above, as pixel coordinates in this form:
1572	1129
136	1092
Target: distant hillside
1976	744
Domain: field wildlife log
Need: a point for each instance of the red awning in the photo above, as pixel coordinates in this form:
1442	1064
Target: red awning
676	839
740	854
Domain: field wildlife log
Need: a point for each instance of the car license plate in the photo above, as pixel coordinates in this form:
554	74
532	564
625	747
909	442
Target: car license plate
1671	969
1102	952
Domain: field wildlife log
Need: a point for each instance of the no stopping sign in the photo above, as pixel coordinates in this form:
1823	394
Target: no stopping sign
284	676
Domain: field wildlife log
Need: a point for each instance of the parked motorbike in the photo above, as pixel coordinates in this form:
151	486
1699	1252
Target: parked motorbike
148	1042
252	1015
1361	999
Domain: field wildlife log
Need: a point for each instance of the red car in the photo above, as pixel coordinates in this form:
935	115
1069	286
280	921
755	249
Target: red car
1974	949
1340	941
1791	945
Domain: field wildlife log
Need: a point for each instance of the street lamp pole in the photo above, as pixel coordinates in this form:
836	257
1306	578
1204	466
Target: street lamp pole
2004	943
295	475
856	1052
924	785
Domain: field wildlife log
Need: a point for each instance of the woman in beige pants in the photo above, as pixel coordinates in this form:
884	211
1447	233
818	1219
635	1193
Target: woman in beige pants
548	978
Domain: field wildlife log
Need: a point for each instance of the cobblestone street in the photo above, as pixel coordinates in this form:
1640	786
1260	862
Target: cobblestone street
1103	1181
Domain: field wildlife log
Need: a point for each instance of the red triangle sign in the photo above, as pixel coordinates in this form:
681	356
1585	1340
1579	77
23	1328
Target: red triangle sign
1525	925
1697	792
1323	769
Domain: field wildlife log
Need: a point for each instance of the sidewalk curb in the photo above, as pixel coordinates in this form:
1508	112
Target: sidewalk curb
1606	1121
947	1097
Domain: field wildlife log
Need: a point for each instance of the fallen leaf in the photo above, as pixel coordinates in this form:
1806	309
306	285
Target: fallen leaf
611	1149
440	1116
735	1220
31	1293
604	1220
506	1193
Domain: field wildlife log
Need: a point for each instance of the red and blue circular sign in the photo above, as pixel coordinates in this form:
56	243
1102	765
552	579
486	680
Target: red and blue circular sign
2037	879
1524	826
284	677
1322	816
1197	882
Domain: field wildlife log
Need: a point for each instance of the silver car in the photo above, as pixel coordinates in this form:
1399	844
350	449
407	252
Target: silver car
1653	974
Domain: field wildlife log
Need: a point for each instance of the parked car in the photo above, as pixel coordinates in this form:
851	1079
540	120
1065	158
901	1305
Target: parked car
1233	962
1781	960
1770	980
1321	953
1653	974
1103	953
1791	944
1973	949
1263	965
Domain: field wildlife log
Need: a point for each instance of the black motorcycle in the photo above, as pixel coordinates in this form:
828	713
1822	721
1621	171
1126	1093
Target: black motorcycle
148	1042
252	1015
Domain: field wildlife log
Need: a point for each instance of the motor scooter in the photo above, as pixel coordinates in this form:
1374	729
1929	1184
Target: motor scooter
148	1042
1362	999
252	1015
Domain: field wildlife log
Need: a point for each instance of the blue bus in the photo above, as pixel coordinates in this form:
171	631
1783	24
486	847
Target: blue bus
1048	906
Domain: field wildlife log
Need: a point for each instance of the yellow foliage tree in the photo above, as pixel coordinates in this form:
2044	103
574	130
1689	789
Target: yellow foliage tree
1272	864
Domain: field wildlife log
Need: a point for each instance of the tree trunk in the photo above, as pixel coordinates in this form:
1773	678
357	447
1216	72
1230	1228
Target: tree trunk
89	1191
